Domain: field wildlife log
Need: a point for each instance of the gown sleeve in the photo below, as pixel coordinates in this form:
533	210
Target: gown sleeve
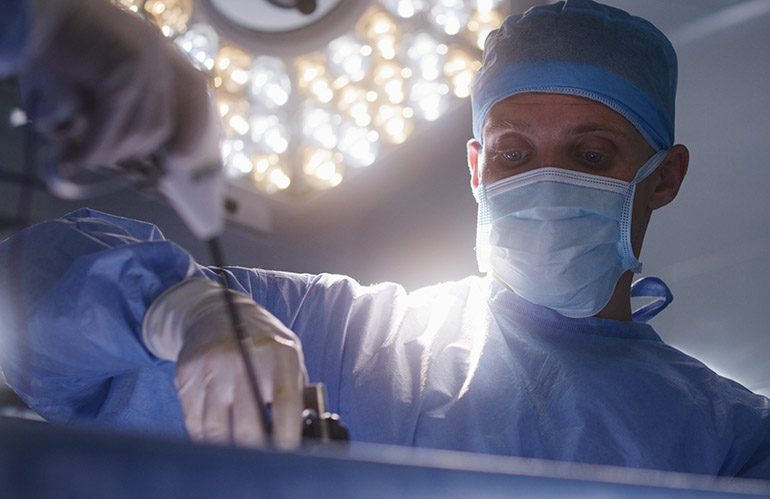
74	294
13	32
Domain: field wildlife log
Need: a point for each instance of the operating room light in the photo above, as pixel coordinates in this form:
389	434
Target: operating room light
299	123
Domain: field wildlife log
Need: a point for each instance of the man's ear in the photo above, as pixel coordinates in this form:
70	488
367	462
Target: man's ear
671	173
474	147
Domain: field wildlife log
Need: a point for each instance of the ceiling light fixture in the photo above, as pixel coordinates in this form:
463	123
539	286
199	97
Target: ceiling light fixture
307	98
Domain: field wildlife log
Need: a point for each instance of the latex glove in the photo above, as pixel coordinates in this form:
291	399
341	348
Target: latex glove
189	324
105	86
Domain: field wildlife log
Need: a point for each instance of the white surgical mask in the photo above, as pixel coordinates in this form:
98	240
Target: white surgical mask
559	238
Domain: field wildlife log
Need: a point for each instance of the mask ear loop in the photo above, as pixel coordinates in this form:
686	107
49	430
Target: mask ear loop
483	229
650	287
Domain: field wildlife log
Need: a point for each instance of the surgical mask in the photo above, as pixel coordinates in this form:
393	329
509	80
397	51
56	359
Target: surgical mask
559	238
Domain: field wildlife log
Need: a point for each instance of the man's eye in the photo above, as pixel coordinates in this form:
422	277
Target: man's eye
593	157
513	155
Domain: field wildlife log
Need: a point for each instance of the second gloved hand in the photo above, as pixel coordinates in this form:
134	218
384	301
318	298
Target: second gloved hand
104	86
190	324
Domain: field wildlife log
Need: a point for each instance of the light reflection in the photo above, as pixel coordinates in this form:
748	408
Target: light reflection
460	68
171	16
277	180
235	158
201	43
322	167
269	84
269	132
349	57
314	77
429	99
404	8
426	55
234	112
450	16
395	122
359	145
232	65
320	126
388	77
380	30
481	24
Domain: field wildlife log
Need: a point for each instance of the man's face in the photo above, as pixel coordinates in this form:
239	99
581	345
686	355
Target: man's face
536	130
539	130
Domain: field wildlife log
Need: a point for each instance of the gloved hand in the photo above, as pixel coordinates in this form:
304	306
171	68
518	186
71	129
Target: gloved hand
106	87
189	324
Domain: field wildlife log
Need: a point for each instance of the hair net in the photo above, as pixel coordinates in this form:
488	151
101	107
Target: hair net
583	48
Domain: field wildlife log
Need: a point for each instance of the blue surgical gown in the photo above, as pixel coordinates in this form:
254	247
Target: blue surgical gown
462	365
13	33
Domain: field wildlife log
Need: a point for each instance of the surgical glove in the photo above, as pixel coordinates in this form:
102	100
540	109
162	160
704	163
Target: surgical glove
190	324
104	86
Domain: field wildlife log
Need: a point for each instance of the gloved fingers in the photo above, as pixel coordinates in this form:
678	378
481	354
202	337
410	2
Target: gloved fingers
130	116
51	107
188	380
104	83
288	382
247	421
218	403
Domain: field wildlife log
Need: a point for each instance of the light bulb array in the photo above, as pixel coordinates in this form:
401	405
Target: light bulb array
293	126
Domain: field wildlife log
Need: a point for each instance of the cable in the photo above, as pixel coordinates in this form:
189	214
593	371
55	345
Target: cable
240	334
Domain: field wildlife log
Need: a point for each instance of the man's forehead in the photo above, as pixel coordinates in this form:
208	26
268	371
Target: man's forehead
526	111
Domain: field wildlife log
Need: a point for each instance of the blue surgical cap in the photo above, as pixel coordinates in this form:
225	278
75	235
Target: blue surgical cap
583	48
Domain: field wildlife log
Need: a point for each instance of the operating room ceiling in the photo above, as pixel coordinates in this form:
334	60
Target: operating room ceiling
410	216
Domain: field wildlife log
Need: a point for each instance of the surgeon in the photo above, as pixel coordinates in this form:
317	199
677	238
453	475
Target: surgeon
542	357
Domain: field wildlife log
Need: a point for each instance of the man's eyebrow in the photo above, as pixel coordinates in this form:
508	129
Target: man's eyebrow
507	126
599	127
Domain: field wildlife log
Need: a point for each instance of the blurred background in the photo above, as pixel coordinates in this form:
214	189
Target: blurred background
373	183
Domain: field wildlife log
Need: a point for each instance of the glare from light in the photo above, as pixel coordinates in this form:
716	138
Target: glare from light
481	24
394	122
234	112
236	161
387	77
348	56
262	162
321	167
358	144
404	8
484	6
129	5
459	69
278	180
17	117
314	78
426	55
171	16
232	65
379	29
239	124
269	84
201	43
429	99
320	127
269	133
450	16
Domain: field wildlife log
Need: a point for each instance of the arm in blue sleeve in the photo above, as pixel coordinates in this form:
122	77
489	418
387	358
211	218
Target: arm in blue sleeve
75	291
13	33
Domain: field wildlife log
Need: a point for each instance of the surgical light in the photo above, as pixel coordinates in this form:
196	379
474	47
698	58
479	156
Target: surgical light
306	99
